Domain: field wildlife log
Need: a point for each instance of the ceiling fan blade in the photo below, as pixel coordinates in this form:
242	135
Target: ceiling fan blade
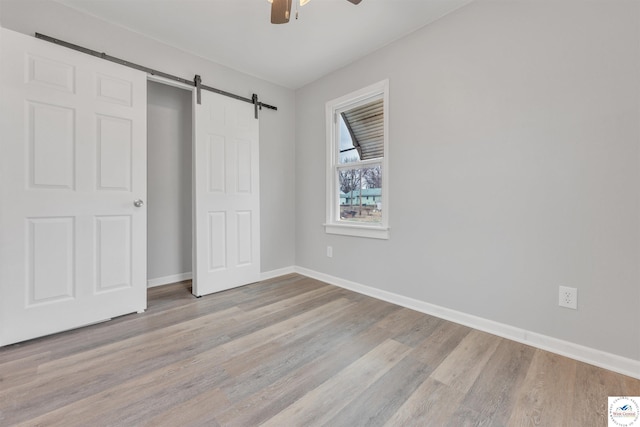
280	11
355	1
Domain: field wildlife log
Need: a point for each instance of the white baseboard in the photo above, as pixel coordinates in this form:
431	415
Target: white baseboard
578	352
277	273
169	279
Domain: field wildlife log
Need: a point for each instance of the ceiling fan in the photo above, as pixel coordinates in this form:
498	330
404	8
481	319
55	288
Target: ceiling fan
281	9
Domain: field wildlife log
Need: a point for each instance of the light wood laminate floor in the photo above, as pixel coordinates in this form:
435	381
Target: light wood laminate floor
293	351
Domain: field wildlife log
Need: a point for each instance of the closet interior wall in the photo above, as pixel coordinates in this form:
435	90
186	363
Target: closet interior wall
169	183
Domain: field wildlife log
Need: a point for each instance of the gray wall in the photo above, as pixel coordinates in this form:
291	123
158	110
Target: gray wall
169	198
276	127
514	167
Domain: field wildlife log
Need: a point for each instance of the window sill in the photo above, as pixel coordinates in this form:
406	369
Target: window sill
369	231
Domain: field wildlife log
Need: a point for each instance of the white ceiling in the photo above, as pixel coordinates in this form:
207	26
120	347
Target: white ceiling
328	35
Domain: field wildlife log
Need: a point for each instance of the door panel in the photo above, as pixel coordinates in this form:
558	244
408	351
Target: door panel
216	167
244	237
114	90
114	153
72	160
113	252
51	146
50	262
51	73
217	241
227	199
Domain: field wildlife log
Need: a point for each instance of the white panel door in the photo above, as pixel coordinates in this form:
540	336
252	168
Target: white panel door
72	161
227	199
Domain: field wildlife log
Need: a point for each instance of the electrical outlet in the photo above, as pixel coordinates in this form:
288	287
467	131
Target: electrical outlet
568	297
330	251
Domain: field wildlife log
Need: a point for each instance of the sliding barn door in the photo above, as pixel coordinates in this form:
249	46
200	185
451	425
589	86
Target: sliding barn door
227	201
72	162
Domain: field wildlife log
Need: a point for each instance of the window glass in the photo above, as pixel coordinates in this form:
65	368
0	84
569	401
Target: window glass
361	194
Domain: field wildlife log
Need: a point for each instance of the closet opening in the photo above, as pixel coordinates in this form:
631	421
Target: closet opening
169	184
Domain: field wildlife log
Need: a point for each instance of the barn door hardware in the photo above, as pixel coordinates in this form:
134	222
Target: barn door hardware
197	81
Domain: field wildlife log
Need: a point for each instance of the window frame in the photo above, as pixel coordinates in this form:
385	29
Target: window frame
333	224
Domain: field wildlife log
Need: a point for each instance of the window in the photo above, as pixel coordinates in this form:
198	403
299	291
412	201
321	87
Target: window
357	159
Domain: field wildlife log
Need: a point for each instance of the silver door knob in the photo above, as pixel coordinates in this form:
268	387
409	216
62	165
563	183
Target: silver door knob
137	203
